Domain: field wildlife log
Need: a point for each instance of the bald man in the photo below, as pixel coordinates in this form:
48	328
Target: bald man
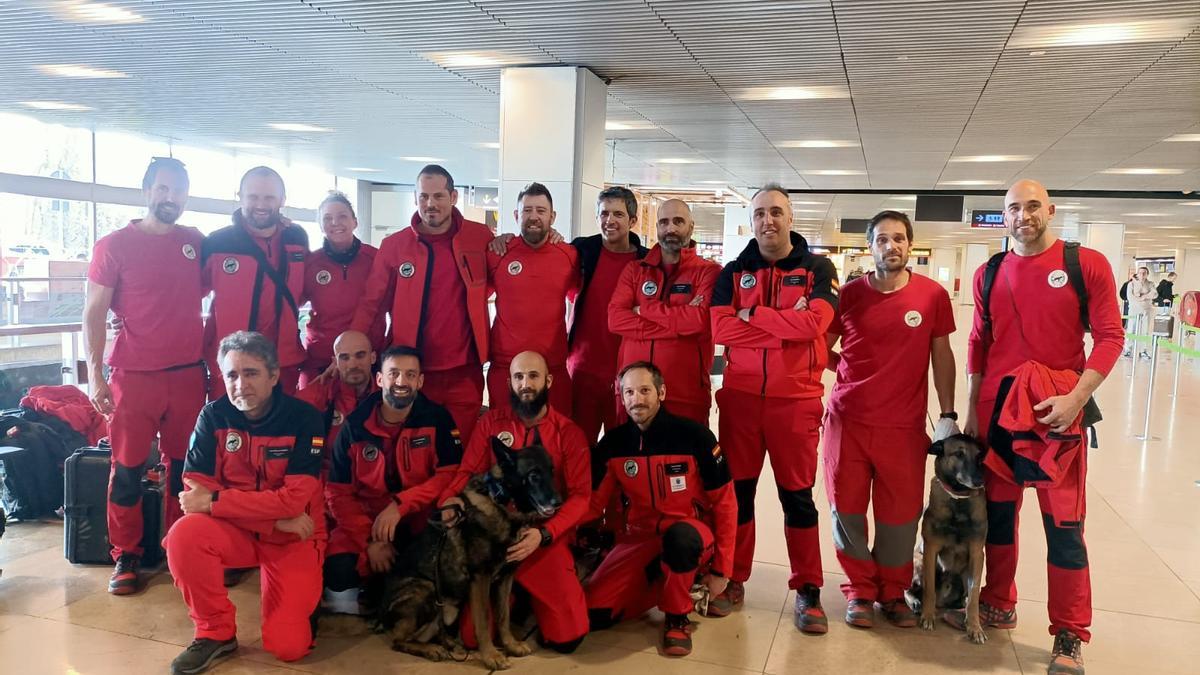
546	567
1025	357
660	311
336	397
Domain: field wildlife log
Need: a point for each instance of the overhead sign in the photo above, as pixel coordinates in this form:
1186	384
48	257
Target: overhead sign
988	219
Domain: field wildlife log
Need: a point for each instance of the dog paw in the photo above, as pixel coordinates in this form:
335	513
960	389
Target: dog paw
495	661
516	648
927	621
438	653
976	635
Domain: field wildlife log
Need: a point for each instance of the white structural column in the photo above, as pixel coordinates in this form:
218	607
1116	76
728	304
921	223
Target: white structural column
1108	239
1187	266
973	256
552	132
942	267
738	231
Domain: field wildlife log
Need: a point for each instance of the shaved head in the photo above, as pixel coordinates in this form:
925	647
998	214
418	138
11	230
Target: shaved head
674	226
351	340
1027	189
528	361
354	356
1027	215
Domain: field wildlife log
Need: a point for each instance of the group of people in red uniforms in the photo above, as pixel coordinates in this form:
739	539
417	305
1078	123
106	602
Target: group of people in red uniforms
317	455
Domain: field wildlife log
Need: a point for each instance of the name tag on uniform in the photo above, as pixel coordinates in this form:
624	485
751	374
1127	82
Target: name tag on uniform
297	256
676	469
678	483
794	280
419	442
681	288
278	452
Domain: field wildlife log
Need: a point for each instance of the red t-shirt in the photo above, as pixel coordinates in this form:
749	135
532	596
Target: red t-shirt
446	335
595	348
156	294
883	375
532	286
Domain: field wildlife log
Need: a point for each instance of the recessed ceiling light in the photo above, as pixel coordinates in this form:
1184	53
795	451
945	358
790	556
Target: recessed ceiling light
54	105
470	59
792	93
97	12
1183	138
808	210
1153	30
991	158
808	203
681	160
617	125
1144	171
911	198
968	183
818	144
75	70
420	158
362	169
1040	52
494	145
1071	207
1144	214
296	126
835	172
711	182
493	180
240	145
1189	203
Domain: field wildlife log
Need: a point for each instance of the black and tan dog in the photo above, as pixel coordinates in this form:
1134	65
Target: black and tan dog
444	569
948	567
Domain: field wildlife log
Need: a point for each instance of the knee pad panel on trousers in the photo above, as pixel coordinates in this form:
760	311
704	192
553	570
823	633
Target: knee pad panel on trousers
1064	545
745	490
682	546
798	508
341	572
126	485
1002	523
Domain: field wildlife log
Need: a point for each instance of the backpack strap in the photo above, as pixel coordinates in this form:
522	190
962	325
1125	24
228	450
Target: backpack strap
985	295
1075	275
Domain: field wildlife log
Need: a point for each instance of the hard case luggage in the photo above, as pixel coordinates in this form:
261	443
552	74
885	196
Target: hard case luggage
85	510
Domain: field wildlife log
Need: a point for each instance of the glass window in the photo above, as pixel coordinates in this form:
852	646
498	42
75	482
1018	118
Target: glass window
36	230
112	217
121	159
34	148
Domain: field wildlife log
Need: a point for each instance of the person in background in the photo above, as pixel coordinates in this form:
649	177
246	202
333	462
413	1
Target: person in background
1166	291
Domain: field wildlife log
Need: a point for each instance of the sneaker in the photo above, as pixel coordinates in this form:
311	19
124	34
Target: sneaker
124	579
989	617
236	575
860	613
810	618
898	613
729	599
1067	656
677	635
203	654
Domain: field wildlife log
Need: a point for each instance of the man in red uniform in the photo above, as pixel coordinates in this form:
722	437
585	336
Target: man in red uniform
255	268
771	309
148	274
337	396
253	498
334	278
396	454
660	311
1035	316
681	514
592	347
436	272
547	568
533	280
893	324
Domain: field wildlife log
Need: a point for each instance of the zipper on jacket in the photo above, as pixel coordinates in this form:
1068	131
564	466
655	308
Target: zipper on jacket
649	473
407	462
424	292
345	272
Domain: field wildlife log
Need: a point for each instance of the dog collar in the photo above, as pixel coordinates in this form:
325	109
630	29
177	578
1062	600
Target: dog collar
956	494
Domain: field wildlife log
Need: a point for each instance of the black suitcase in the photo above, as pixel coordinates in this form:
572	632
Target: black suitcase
85	510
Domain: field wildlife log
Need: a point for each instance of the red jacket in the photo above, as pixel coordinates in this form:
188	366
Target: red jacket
333	283
669	331
780	351
70	405
335	401
564	441
260	471
372	469
245	297
403	264
532	286
672	471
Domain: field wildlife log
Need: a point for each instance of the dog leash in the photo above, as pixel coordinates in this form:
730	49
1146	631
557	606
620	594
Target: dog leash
954	494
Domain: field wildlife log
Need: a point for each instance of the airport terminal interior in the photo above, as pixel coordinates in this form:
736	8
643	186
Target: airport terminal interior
928	108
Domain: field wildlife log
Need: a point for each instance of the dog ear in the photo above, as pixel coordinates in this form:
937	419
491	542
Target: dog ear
936	448
505	457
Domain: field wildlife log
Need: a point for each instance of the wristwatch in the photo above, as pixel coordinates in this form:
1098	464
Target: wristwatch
546	536
949	416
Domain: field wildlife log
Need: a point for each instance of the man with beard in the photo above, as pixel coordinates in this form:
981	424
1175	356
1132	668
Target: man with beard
1034	314
431	277
893	324
660	311
148	274
337	397
546	566
533	280
395	455
255	268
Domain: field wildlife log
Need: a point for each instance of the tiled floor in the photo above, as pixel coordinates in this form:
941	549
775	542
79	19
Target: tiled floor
1144	546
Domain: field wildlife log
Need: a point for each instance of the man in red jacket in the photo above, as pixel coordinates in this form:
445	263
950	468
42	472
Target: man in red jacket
681	514
337	396
255	268
148	274
396	454
533	280
431	278
660	311
253	498
1035	315
334	278
771	309
547	568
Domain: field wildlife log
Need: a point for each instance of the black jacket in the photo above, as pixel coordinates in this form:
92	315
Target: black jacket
589	257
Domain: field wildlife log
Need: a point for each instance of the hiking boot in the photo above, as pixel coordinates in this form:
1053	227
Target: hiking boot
1067	656
729	599
860	613
810	618
677	635
236	575
898	613
124	579
989	617
203	654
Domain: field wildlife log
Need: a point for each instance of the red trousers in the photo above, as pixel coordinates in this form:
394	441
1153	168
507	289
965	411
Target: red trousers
289	379
886	466
162	403
790	430
200	547
592	403
498	386
623	588
459	390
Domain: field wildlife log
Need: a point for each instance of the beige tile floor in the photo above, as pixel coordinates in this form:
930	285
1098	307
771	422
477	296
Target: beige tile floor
1144	546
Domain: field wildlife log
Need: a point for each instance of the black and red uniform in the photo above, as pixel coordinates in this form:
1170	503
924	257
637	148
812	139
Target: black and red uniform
549	573
668	330
257	283
682	512
434	288
376	464
335	401
333	283
771	397
260	472
1036	317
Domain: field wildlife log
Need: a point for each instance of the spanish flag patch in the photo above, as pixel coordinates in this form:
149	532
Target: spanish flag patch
454	432
318	445
716	451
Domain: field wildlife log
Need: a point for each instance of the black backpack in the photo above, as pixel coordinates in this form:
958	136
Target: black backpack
31	478
1074	275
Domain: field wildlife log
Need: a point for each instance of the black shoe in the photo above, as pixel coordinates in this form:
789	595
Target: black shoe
236	575
810	617
203	654
125	579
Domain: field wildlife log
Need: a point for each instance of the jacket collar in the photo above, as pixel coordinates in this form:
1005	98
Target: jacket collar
751	254
342	257
456	221
654	257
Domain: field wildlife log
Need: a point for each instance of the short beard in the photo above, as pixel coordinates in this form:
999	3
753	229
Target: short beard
673	246
534	238
163	214
399	402
272	221
528	409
